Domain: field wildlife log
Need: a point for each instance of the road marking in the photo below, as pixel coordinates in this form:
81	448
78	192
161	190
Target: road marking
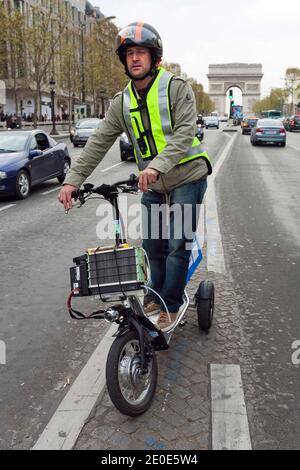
65	425
230	428
295	148
215	254
7	207
50	191
110	167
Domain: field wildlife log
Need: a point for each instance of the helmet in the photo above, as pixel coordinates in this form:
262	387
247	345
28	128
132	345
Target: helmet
139	34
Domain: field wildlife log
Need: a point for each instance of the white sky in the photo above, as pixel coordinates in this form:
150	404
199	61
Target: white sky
197	33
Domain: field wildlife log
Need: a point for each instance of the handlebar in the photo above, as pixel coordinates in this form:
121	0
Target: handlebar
107	190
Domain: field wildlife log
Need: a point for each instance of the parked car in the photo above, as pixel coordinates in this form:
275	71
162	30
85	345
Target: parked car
212	121
268	131
28	158
126	148
247	124
293	123
84	128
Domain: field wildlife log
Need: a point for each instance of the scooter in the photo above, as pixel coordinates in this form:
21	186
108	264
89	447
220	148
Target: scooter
120	274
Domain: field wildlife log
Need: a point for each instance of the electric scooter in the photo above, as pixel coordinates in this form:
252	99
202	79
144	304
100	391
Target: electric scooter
121	274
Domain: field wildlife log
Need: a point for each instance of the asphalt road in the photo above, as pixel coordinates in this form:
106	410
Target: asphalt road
258	193
45	349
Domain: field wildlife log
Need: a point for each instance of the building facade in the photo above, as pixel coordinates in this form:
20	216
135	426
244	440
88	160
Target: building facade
17	90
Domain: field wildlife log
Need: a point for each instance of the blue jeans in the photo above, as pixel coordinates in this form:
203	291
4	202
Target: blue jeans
167	238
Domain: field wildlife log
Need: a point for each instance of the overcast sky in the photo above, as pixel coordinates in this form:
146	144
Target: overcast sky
197	33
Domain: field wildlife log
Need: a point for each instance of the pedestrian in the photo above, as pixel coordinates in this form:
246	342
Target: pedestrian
157	110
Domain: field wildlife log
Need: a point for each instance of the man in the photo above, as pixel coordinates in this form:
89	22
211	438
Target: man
157	111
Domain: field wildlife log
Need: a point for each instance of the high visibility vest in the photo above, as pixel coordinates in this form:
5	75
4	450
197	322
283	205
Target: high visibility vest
161	127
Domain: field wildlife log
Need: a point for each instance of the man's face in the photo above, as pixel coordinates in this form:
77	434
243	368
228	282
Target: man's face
138	61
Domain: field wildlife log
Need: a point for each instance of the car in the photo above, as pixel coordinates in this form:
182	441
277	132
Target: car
247	124
28	158
293	123
212	121
126	148
268	131
84	128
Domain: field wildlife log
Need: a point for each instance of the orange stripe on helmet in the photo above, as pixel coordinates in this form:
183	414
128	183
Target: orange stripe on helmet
138	31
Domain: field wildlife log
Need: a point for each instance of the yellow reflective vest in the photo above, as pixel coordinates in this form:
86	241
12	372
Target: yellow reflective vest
160	131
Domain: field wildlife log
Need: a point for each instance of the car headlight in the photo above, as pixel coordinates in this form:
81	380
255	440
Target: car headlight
3	175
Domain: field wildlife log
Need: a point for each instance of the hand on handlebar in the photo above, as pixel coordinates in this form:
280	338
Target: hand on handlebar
146	177
65	196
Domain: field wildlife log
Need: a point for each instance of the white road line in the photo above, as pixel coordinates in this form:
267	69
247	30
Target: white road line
110	167
215	253
7	207
230	428
295	148
50	191
65	425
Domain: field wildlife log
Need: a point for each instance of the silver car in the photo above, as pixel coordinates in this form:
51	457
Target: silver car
84	128
268	131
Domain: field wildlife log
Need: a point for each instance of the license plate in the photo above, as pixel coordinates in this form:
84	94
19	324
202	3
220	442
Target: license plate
271	132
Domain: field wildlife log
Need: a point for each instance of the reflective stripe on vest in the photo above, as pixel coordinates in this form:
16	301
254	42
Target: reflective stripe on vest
161	130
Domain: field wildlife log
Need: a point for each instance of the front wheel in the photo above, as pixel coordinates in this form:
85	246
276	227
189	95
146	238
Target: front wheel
22	189
130	391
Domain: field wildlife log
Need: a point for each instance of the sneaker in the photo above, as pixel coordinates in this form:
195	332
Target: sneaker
166	320
151	309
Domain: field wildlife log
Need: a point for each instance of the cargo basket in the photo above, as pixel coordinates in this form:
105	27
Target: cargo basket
109	270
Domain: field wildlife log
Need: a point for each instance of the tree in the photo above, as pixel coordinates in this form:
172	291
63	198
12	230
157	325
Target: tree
292	78
275	100
12	61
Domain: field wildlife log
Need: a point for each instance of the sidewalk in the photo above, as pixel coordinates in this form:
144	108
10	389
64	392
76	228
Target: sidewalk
180	415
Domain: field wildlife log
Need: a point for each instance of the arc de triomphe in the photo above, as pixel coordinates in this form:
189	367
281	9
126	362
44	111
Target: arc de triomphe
222	77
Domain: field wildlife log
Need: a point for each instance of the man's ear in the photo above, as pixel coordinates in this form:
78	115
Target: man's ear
158	62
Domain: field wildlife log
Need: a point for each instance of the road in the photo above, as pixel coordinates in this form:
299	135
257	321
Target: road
257	192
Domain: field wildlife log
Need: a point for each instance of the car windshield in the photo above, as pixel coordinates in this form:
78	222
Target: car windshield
12	142
87	124
269	123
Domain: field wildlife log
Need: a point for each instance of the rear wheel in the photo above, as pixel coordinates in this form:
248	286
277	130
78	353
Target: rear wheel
283	144
22	184
204	298
130	390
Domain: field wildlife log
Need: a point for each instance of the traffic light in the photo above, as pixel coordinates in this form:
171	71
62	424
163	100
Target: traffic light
230	94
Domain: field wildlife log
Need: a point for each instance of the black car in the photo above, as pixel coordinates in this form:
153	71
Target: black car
247	124
293	123
126	148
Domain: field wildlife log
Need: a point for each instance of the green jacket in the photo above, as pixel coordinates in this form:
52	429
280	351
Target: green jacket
184	115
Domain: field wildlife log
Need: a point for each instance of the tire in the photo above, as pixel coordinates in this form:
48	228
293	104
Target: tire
283	144
61	178
128	373
75	145
205	304
22	184
123	157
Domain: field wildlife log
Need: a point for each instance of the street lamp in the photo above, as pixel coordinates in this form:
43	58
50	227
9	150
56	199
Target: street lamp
52	88
73	105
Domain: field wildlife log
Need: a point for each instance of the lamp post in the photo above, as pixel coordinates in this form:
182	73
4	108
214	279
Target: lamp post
52	88
73	110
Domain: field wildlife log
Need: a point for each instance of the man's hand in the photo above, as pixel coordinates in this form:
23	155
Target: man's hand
65	196
146	177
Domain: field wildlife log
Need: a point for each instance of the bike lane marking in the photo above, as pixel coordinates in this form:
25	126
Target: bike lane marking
68	420
230	428
110	167
215	254
7	207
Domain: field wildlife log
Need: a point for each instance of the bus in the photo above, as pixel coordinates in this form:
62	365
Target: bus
271	113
